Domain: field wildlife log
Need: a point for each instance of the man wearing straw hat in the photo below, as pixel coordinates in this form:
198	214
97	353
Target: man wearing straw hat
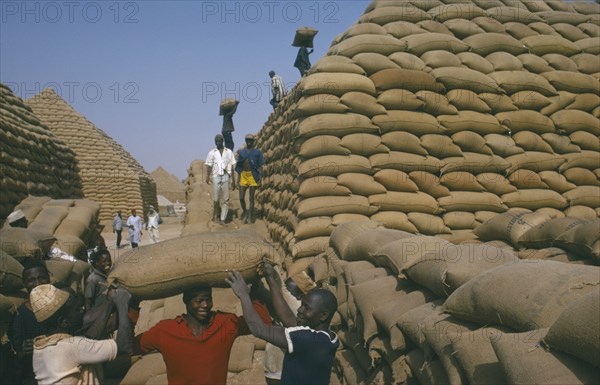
61	357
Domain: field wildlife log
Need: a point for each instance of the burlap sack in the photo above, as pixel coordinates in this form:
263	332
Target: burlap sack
461	181
319	104
581	177
561	144
534	199
394	220
399	99
405	202
395	180
474	353
440	146
335	124
582	212
369	296
574	82
542	235
555	181
439	58
387	316
525	361
381	44
412	322
426	371
401	254
332	205
406	162
486	43
576	329
361	103
168	268
584	196
241	356
333	165
510	226
428	224
475	62
335	83
471	201
10	274
421	43
322	186
515	81
479	299
364	144
48	219
149	366
429	183
361	184
412	80
583	239
454	265
343	234
313	227
460	78
435	103
337	64
364	244
471	142
403	142
414	122
24	243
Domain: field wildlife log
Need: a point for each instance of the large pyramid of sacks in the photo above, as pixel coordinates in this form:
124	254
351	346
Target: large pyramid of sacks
432	117
33	160
109	174
168	185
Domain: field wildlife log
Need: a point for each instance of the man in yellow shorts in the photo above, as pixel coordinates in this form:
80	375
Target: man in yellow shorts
250	160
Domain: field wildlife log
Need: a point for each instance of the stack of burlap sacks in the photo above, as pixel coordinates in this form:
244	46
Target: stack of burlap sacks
33	160
73	223
432	118
109	174
200	204
168	185
65	223
418	309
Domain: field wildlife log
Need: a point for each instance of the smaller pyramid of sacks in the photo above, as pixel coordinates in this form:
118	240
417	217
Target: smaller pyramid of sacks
34	161
109	174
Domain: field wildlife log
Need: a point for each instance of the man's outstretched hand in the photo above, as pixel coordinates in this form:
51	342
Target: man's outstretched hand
267	269
237	283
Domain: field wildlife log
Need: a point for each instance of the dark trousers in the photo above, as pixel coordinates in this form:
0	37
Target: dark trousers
118	237
228	136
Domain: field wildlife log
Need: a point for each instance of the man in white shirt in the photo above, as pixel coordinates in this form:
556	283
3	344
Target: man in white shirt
219	168
277	89
153	222
134	224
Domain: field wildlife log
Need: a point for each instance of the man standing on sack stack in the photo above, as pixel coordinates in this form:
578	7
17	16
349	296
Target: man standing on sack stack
250	160
219	167
152	227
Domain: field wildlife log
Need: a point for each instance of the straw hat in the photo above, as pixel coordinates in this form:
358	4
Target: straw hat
46	300
15	216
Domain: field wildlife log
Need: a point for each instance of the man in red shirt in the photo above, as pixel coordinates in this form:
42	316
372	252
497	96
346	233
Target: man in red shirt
196	346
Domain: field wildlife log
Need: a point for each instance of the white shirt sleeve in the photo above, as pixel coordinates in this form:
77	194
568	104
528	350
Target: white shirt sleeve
93	352
210	159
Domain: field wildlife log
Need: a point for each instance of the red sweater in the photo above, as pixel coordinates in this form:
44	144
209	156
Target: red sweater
198	360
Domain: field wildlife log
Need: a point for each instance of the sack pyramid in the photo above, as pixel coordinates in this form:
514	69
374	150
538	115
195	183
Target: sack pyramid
168	185
432	117
109	174
34	160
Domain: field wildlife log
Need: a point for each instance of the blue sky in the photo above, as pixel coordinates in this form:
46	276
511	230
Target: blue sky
151	73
